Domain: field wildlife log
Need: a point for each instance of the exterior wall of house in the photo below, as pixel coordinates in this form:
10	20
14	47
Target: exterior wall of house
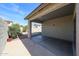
62	28
3	34
77	29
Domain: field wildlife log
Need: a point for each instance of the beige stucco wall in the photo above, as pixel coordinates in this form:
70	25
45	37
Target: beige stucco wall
3	34
62	28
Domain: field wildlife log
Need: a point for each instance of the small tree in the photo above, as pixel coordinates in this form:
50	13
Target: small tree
14	30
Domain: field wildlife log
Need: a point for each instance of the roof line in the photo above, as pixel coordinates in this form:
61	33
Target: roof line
42	5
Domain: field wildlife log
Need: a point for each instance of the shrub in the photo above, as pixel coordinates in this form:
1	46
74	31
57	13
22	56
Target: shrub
14	30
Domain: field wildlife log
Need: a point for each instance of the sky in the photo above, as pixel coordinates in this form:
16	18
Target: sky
16	12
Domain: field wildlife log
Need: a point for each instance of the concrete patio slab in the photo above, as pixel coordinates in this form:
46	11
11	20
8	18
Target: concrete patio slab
56	46
36	49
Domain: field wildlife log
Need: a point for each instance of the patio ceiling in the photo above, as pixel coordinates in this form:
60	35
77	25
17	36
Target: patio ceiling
66	10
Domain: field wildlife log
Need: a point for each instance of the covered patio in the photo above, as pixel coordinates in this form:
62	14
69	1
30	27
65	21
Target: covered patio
58	31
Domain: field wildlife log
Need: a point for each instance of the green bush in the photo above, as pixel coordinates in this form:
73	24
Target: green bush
14	30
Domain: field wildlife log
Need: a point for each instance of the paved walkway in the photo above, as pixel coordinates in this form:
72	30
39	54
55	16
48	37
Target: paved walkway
24	47
15	48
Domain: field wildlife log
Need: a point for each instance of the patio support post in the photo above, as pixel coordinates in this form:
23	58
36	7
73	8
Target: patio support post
77	29
29	29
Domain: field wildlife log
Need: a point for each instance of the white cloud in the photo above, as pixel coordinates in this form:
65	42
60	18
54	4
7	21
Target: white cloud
3	17
16	8
13	8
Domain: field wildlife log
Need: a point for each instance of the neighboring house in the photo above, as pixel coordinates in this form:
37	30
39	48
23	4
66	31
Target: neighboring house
21	28
58	21
9	23
3	34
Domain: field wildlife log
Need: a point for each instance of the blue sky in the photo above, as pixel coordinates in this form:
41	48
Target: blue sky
16	12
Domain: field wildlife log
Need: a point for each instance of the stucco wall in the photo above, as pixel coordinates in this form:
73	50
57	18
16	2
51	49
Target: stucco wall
61	28
3	35
77	29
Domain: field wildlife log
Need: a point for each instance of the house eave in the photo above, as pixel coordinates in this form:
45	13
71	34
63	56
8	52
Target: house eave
44	9
42	5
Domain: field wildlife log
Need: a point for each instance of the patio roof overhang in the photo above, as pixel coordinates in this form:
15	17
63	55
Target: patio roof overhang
50	11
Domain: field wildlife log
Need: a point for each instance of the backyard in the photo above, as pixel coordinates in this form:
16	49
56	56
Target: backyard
46	30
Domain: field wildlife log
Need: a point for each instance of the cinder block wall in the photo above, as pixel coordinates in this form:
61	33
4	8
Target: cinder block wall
3	35
62	28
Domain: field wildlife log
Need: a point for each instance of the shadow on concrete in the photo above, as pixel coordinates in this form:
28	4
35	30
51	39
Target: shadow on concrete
22	36
34	48
57	47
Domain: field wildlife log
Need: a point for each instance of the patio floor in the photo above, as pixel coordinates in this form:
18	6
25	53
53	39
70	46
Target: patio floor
56	46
